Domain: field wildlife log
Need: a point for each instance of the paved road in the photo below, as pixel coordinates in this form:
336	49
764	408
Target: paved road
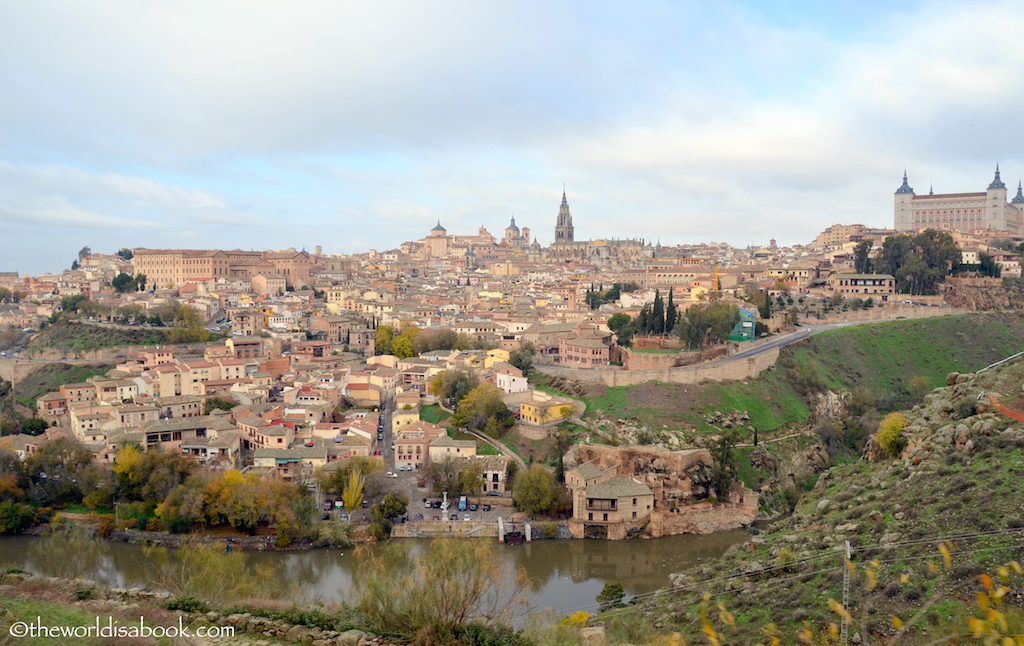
805	331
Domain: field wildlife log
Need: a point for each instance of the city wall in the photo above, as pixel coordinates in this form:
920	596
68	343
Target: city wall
724	371
14	371
890	313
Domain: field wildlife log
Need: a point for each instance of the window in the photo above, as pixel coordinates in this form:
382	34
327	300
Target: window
605	517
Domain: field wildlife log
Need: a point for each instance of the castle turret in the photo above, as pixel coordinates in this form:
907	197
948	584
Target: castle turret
904	219
995	203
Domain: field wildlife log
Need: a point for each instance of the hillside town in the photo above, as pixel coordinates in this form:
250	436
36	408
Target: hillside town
292	363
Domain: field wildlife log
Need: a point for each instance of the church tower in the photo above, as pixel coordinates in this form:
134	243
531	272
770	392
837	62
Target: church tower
563	228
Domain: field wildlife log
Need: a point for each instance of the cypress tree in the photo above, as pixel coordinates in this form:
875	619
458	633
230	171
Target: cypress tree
658	314
670	314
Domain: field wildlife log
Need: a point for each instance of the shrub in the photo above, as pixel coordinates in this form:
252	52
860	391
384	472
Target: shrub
187	603
890	433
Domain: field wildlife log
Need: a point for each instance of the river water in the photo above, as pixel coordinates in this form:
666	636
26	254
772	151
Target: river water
567	574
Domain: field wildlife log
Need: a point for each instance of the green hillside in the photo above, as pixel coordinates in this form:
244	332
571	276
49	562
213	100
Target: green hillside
882	357
69	335
50	377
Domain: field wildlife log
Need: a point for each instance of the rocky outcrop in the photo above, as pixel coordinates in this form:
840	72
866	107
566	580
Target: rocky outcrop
983	294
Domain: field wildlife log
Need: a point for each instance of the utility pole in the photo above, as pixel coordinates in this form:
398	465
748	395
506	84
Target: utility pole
844	628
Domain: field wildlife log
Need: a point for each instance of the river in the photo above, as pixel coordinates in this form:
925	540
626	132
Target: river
567	574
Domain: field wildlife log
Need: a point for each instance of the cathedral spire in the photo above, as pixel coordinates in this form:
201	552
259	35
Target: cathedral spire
1019	198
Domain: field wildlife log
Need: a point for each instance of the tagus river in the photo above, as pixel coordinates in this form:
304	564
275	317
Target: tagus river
567	574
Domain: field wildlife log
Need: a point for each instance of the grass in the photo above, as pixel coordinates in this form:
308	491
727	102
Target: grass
434	414
75	336
50	377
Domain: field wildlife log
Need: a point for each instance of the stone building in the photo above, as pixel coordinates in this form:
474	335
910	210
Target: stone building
960	211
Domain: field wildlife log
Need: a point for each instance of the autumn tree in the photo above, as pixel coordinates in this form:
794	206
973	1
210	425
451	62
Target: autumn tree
353	494
534	492
483	408
450	386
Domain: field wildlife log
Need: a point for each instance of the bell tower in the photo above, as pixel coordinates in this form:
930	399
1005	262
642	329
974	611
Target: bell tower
563	227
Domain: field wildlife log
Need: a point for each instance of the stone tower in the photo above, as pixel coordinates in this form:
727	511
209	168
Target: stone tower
904	218
563	228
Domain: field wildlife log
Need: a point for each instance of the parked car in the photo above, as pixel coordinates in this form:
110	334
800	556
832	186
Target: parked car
391	474
473	507
462	503
344	516
487	507
419	517
437	518
466	518
427	504
454	517
328	505
494	494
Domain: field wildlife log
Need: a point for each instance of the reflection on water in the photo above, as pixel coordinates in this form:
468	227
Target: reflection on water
567	574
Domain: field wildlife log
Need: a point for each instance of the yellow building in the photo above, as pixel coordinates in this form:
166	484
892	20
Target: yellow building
494	356
541	409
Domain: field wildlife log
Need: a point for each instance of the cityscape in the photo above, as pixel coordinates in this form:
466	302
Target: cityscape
522	325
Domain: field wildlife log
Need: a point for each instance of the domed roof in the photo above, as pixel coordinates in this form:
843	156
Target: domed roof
439	227
1019	198
513	225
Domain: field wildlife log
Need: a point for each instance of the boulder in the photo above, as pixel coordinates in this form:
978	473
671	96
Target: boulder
593	635
823	505
351	638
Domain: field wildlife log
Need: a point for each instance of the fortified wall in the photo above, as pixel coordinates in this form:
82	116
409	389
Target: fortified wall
615	376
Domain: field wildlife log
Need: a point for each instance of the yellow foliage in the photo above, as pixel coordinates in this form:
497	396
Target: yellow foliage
890	433
576	619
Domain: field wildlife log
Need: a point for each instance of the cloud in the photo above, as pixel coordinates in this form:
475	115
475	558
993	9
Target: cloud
349	125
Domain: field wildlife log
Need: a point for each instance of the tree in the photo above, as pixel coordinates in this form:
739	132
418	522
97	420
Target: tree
123	282
534	493
522	357
611	597
705	324
989	266
450	386
918	262
394	505
383	341
131	312
211	404
618	321
726	463
127	254
443	476
657	325
140	282
481	405
862	257
83	252
353	494
401	347
34	426
670	313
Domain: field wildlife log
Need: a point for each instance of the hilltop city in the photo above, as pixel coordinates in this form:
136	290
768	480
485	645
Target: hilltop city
432	360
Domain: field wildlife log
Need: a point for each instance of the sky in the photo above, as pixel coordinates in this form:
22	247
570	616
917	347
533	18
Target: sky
357	126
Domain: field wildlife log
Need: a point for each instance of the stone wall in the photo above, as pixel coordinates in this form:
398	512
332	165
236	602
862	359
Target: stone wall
702	518
724	371
14	371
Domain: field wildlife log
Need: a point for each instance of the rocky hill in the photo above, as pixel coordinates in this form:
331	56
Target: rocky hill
952	483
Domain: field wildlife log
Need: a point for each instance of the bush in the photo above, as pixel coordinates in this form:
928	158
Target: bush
966	408
890	433
187	603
